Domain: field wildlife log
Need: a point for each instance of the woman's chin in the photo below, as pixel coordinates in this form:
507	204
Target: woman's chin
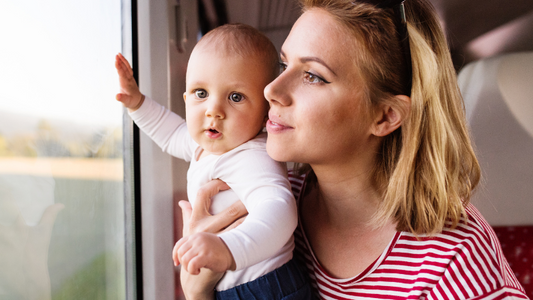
278	151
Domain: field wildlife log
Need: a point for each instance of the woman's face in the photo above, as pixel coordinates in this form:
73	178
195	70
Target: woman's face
316	110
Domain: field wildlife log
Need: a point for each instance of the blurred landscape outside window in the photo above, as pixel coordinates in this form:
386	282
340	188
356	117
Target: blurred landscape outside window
61	160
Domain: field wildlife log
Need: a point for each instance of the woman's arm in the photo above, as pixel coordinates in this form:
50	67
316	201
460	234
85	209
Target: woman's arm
197	219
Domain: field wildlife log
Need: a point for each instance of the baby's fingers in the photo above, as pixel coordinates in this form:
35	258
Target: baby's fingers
123	67
177	246
123	98
125	73
125	63
195	264
189	259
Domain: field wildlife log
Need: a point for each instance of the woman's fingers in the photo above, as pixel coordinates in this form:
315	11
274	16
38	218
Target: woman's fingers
203	197
200	220
236	223
228	217
186	212
214	224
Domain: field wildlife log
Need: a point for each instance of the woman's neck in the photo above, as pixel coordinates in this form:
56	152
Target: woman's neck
336	216
345	195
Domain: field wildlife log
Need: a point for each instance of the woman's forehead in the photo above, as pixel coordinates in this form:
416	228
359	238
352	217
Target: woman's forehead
318	34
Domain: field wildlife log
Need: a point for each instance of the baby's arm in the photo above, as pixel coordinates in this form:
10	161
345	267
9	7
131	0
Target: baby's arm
203	250
129	95
167	129
263	186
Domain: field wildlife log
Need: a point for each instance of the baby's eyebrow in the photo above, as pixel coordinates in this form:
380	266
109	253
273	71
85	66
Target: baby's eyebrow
196	84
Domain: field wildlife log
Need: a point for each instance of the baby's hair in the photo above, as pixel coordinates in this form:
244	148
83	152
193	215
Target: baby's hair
243	40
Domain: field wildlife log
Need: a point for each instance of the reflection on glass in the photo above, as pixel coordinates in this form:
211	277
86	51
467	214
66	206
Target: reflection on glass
61	167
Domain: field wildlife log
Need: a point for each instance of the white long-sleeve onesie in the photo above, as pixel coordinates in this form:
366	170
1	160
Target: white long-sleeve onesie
263	242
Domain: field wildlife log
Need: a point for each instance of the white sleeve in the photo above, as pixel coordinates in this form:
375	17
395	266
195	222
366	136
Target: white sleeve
263	186
167	129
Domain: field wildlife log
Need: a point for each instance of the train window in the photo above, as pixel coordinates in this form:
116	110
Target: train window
70	206
62	224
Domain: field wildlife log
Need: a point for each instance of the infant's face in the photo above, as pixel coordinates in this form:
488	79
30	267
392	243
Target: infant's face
224	99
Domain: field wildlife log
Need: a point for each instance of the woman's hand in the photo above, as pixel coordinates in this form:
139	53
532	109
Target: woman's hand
198	219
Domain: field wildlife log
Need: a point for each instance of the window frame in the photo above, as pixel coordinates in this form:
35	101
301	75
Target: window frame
155	180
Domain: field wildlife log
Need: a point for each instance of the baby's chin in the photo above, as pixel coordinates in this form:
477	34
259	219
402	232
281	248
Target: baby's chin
212	148
222	144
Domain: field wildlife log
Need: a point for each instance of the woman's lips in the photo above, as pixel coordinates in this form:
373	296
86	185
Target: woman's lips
275	125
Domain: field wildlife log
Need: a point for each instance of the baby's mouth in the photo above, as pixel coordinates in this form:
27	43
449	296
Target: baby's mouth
213	133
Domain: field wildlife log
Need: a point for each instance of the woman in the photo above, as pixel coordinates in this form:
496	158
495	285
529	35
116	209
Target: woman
389	167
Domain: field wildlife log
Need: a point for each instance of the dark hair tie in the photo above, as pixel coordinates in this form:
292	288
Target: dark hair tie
401	28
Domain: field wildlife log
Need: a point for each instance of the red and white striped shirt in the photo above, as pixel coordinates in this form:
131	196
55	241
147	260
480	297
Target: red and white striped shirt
461	263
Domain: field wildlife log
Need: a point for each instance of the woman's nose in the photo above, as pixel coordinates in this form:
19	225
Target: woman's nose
277	92
215	108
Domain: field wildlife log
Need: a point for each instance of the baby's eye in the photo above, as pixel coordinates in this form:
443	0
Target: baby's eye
200	93
236	97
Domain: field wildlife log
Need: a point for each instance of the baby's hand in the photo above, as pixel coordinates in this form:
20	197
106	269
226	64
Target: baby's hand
129	94
203	250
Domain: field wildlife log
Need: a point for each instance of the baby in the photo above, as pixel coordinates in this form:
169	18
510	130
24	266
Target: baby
223	139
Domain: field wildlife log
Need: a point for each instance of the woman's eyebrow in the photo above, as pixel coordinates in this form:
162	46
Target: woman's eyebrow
318	60
311	58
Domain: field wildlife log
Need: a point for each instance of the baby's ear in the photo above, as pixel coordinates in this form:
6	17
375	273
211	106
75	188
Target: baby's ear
185	97
390	115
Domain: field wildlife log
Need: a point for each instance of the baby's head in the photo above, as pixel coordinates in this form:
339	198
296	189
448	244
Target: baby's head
226	75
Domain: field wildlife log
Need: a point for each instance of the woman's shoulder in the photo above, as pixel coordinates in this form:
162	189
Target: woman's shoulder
464	261
469	252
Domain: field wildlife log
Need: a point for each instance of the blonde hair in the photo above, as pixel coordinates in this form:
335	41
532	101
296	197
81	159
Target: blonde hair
426	170
245	41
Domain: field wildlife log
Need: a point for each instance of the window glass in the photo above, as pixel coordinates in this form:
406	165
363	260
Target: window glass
61	166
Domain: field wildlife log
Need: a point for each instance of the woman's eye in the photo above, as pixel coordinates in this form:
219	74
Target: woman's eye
236	97
282	67
201	93
312	78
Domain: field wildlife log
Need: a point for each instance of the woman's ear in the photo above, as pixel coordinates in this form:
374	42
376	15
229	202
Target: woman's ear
390	115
